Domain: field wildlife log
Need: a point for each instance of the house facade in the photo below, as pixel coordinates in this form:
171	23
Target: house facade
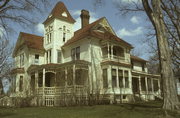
74	67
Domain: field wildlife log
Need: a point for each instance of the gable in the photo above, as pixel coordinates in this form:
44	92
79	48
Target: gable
104	26
29	40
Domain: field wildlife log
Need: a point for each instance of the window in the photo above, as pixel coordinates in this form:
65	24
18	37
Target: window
149	84
21	84
79	78
126	79
21	60
143	84
105	81
48	38
48	56
120	74
58	56
114	84
155	83
143	67
36	61
64	37
132	64
124	96
75	53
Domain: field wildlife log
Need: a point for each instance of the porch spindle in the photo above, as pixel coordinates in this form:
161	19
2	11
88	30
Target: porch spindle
140	85
152	84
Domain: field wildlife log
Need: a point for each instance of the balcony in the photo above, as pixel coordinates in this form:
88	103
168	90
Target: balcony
114	53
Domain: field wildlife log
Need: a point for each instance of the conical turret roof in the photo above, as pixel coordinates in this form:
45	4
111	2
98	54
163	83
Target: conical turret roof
60	12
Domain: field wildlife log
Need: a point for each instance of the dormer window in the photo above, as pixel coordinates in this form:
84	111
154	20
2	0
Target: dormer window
64	14
50	16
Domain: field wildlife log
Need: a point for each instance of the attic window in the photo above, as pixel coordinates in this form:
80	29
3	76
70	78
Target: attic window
64	14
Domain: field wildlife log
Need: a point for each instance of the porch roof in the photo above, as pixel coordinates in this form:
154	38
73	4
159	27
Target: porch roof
17	70
115	63
141	73
53	66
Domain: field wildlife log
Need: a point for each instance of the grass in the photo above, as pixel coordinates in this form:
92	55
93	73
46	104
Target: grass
138	110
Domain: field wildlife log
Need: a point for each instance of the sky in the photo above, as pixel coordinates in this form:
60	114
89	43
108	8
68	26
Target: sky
131	28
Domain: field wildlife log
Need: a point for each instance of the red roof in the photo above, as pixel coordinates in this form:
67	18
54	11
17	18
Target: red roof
138	59
30	40
57	12
87	31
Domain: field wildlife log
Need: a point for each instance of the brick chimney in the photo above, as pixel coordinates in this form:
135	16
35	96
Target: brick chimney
84	18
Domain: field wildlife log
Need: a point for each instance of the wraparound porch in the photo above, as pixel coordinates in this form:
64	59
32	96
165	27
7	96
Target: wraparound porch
60	84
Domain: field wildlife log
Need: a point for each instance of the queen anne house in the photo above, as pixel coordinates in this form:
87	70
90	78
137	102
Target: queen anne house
67	67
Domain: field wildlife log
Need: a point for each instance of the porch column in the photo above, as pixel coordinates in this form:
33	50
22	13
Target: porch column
117	78
111	51
123	79
146	85
152	84
109	77
44	72
90	84
130	79
108	50
159	87
36	81
140	85
74	77
65	76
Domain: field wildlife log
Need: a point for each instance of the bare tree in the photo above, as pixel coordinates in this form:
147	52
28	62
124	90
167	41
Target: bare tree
156	10
15	12
5	62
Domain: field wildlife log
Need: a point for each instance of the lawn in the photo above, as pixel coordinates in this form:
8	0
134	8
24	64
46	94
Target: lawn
138	110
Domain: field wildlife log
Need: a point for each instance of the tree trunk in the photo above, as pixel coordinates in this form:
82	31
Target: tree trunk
169	90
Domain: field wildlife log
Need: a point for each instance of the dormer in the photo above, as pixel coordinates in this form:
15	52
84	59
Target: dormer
138	64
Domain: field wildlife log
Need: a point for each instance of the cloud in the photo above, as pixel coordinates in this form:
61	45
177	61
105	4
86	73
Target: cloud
76	13
129	1
40	28
135	20
124	32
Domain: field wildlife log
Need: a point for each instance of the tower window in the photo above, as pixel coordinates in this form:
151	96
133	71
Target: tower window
64	37
64	28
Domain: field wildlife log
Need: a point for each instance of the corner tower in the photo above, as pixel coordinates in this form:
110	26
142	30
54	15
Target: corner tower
58	29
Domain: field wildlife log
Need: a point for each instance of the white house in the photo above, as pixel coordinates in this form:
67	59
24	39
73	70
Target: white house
92	63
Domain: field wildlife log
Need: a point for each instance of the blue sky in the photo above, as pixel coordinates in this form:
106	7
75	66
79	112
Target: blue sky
130	28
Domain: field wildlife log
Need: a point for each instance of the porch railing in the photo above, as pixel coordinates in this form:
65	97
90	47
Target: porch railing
58	90
115	58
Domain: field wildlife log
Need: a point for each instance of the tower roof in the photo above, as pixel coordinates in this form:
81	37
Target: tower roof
60	12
